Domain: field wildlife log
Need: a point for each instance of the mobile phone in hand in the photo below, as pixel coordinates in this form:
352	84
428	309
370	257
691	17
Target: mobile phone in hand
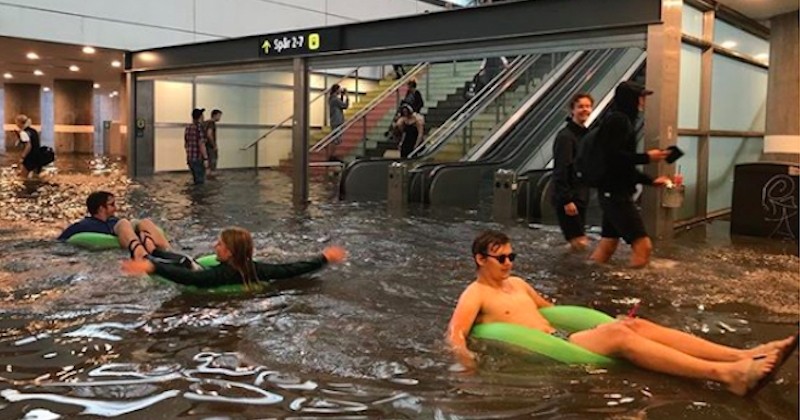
675	153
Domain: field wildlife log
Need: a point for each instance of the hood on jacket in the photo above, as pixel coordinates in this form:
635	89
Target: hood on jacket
626	98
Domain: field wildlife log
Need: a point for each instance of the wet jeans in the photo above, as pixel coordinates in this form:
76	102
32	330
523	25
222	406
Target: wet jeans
198	171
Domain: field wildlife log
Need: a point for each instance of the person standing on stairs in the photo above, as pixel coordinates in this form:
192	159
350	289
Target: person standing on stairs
337	103
410	123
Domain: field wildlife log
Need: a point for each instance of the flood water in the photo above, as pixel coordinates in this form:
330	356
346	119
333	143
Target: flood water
359	340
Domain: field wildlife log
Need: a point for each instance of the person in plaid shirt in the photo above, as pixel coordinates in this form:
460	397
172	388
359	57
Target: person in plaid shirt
194	141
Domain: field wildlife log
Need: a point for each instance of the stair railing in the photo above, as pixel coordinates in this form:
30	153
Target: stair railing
279	125
361	115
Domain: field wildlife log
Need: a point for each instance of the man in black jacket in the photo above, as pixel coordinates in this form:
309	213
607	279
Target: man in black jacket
570	197
617	137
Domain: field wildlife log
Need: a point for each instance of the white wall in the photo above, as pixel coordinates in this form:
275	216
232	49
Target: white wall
142	24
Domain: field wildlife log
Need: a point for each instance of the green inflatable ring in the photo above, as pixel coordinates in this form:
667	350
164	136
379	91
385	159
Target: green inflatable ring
566	318
94	241
206	261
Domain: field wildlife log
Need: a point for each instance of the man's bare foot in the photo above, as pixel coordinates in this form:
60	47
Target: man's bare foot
779	345
746	373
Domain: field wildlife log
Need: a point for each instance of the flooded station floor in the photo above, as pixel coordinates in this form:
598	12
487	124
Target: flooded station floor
359	340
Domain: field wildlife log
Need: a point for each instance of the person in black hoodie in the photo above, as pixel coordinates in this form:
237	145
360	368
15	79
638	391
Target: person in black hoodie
570	197
617	137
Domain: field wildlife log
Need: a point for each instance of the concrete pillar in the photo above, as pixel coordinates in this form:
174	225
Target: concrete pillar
782	137
20	98
661	112
300	134
73	116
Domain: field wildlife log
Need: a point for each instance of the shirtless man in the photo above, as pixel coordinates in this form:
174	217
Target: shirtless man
496	296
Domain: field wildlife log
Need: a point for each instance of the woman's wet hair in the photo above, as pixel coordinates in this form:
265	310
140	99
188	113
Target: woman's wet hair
488	240
240	243
96	200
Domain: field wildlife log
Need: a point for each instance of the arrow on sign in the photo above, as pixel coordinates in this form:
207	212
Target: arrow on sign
266	46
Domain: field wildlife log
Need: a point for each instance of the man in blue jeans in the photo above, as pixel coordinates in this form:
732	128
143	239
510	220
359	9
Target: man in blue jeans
194	141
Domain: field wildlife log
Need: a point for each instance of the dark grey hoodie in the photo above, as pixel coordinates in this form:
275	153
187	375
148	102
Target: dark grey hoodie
618	138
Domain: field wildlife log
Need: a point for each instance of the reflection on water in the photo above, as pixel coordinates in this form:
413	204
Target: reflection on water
359	340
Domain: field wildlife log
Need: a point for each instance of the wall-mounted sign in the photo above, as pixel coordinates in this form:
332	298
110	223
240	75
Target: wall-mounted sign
300	43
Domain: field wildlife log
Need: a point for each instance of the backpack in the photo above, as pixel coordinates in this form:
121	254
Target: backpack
46	155
590	161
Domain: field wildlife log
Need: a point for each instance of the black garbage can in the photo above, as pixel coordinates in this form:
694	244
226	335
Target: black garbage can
765	200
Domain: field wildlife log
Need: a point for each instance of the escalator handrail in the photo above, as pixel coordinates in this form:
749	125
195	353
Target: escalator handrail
604	103
484	146
485	97
495	160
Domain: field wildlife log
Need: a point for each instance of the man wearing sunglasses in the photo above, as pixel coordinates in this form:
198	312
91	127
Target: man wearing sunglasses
497	296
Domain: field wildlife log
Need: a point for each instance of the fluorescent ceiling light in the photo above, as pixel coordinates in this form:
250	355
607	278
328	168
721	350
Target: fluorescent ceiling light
38	72
32	56
88	50
74	68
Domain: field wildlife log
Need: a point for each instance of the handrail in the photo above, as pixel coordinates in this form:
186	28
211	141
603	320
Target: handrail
325	141
478	103
487	144
278	126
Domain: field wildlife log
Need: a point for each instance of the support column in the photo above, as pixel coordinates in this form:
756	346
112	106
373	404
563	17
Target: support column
300	134
73	116
20	98
782	137
661	113
141	130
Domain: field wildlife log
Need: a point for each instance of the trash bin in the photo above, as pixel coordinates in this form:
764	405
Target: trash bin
765	200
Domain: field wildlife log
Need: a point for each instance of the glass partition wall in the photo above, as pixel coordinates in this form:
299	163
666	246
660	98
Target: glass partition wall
256	126
722	106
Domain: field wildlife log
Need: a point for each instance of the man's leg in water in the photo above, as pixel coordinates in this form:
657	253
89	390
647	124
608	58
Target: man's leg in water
641	249
151	237
128	239
694	345
604	250
620	340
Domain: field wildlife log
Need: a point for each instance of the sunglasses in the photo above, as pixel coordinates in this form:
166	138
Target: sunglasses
502	258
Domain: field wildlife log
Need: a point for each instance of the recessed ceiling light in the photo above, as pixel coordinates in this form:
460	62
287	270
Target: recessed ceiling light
729	44
74	68
32	56
115	93
116	63
96	85
38	73
88	50
46	89
8	75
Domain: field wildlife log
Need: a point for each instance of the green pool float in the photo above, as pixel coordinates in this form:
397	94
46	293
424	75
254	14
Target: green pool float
206	261
94	241
566	318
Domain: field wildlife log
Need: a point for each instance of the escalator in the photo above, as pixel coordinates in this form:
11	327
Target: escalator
366	179
515	147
